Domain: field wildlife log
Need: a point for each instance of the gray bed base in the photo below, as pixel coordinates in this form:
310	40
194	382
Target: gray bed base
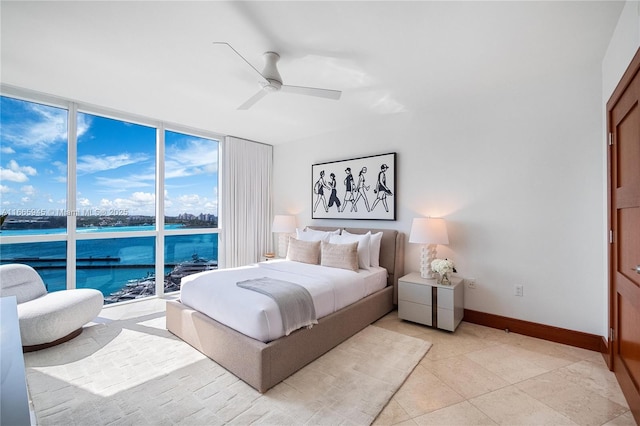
263	365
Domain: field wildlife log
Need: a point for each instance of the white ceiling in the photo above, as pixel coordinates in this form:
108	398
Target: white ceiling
156	58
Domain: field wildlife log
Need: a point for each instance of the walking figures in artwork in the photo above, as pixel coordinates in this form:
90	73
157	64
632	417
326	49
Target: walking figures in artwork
318	188
382	190
333	198
356	191
348	195
361	190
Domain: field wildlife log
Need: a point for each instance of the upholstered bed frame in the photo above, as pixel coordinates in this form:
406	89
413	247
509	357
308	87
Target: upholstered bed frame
263	365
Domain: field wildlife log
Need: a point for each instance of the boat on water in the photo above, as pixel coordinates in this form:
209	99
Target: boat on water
196	264
146	286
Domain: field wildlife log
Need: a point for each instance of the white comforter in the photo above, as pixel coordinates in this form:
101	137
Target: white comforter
216	294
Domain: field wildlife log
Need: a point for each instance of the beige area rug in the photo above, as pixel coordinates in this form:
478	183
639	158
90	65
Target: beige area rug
134	372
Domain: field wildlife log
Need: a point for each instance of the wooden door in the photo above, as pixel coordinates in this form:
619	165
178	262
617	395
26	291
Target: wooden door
624	218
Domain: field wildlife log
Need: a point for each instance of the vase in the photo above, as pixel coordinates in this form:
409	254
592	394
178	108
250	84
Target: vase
444	279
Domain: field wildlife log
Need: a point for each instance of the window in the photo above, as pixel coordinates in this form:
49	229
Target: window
48	258
119	246
115	175
121	268
188	254
33	169
191	181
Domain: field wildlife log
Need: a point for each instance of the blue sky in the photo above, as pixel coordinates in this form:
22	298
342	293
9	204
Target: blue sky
115	167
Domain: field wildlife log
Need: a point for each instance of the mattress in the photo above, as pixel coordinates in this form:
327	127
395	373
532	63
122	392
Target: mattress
215	293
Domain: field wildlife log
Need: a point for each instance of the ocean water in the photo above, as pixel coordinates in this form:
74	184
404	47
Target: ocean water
106	264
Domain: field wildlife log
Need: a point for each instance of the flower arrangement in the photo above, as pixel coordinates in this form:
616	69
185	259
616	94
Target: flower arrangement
442	266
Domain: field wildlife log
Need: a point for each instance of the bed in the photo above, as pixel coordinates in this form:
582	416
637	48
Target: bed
263	364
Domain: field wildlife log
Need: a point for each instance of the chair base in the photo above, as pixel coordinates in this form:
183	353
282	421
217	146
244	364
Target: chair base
66	338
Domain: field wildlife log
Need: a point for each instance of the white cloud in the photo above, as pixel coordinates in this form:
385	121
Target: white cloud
62	167
17	173
84	202
144	197
188	200
94	163
7	150
123	184
142	203
10	175
28	170
43	127
196	156
4	189
28	190
190	203
83	122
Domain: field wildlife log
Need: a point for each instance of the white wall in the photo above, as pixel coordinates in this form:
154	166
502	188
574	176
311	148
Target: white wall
622	47
519	177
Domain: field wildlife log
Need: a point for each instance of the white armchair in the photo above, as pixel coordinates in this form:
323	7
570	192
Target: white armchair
47	319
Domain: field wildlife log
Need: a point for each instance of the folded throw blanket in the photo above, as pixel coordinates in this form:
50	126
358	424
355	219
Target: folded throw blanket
293	300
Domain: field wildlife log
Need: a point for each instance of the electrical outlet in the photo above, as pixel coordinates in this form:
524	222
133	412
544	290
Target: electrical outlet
471	283
519	290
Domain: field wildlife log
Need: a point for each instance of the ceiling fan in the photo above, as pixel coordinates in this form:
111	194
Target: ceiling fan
271	81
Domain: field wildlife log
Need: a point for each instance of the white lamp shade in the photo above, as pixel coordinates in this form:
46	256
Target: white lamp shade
428	230
284	223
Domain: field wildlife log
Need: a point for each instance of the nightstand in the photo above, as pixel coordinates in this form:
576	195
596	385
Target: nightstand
426	302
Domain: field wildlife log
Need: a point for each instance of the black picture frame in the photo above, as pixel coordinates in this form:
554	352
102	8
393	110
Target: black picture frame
357	188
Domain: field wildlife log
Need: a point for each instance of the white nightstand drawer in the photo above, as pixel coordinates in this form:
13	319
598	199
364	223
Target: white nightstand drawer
446	320
449	319
415	312
445	298
414	292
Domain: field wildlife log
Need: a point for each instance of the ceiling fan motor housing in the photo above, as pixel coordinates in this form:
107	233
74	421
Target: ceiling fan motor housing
270	72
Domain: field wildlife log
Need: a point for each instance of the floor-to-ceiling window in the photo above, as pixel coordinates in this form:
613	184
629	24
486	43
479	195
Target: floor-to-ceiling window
80	197
191	185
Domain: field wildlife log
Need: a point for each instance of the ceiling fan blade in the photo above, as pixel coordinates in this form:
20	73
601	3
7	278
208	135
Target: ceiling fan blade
242	57
312	91
252	100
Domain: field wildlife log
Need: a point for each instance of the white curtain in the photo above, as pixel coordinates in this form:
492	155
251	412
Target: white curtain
246	177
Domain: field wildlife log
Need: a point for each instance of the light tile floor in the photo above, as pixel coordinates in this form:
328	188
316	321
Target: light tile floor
483	376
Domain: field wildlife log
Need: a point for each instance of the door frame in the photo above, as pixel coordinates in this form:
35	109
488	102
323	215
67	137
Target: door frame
627	77
630	73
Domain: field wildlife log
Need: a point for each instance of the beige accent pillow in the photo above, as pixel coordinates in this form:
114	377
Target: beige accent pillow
343	256
363	240
303	251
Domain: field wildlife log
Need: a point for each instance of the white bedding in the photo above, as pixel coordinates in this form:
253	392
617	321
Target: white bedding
216	294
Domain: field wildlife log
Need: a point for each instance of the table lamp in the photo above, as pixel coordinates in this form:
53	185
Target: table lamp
429	232
283	225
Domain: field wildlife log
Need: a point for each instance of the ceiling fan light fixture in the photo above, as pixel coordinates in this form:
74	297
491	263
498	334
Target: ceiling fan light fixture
272	85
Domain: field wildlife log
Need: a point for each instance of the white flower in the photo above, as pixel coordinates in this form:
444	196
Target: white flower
442	266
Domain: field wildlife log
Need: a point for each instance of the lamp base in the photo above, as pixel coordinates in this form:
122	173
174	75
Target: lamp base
283	244
427	256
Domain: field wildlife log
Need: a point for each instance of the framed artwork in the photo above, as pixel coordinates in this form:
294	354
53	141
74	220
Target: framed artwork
358	188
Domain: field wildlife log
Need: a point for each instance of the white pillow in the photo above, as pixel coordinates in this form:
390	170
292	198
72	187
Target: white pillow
363	246
374	247
313	235
343	256
304	251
